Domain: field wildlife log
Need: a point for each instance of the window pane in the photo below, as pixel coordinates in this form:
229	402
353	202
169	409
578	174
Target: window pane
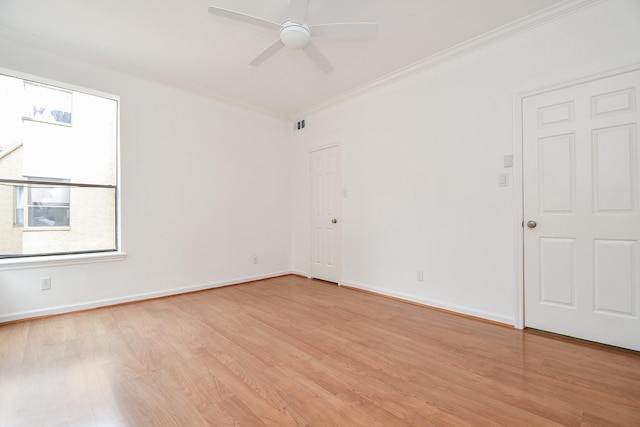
19	206
85	151
49	195
47	104
43	215
86	223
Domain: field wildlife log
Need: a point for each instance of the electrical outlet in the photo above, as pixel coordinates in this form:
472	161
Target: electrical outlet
420	276
255	259
45	284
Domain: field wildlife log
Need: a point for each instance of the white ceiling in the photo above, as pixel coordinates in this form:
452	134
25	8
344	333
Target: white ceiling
179	42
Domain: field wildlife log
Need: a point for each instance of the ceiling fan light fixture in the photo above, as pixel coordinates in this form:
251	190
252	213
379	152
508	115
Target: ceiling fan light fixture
294	35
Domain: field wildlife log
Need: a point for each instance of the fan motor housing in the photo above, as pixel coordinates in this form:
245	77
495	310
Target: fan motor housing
294	35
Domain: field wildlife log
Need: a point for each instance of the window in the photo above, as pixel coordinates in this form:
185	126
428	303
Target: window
58	169
48	206
19	204
47	104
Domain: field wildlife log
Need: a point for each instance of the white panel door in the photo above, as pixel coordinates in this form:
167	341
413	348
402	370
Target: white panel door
581	210
325	206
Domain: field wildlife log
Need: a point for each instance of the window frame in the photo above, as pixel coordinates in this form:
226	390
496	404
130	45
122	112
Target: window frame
55	259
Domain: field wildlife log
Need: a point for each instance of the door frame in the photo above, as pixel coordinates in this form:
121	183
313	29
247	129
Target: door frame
518	184
312	150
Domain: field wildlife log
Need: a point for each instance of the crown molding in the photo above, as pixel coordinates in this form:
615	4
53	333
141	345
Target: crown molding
507	31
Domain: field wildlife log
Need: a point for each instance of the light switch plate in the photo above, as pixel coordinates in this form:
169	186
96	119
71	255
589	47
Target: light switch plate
508	161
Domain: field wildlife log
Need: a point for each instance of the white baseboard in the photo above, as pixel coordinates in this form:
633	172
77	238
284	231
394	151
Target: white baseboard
300	273
194	288
432	303
29	314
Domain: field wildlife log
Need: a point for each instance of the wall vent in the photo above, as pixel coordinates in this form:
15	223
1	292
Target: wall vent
299	125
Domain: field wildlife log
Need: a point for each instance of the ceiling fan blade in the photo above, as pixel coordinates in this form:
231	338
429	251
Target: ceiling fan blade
244	18
318	58
298	10
345	30
267	53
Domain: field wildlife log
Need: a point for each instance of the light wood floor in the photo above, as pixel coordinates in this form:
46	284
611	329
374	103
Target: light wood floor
291	351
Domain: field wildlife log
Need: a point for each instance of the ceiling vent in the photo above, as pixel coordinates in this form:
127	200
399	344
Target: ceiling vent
299	125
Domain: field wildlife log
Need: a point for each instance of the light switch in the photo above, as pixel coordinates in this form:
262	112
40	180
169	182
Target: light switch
503	180
508	161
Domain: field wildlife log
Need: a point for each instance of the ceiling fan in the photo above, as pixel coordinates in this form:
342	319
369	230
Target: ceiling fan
296	34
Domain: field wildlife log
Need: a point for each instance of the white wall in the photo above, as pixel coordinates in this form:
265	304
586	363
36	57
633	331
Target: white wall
421	156
205	186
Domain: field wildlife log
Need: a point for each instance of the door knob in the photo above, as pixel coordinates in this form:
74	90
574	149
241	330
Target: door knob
531	224
334	221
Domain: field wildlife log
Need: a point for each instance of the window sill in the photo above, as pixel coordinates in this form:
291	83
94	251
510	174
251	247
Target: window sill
58	260
36	229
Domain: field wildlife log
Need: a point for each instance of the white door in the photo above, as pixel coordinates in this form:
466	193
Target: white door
325	221
581	210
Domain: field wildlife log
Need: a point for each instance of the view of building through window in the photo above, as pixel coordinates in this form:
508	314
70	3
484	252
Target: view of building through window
58	170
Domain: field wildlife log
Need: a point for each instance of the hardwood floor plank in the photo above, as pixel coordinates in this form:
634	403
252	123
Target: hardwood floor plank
13	343
290	351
